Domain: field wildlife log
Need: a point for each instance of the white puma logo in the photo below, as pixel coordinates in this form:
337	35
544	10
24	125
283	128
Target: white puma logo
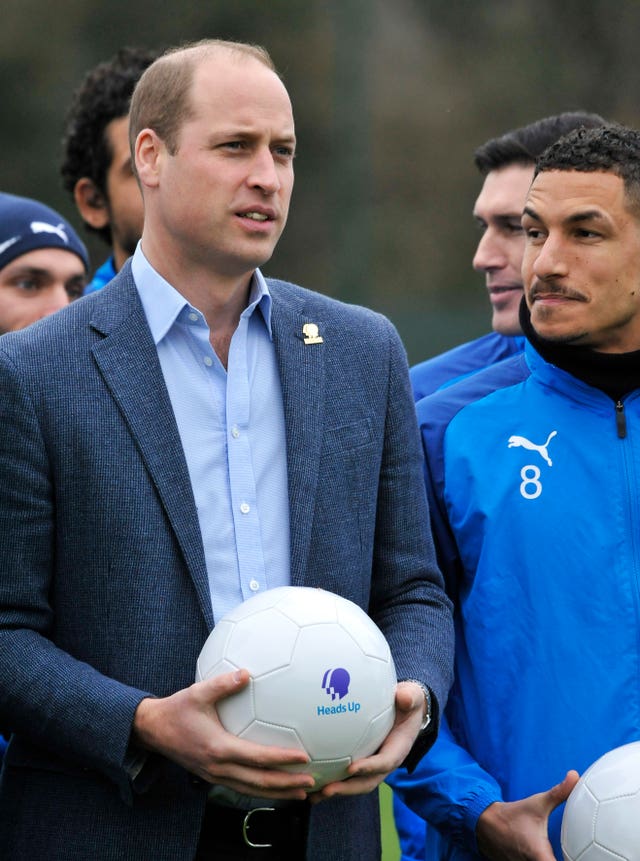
522	441
43	227
8	243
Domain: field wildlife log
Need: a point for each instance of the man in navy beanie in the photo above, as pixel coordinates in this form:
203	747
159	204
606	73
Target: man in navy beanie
43	267
43	263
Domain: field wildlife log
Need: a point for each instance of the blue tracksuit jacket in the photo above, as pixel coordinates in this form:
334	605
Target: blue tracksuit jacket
533	483
462	361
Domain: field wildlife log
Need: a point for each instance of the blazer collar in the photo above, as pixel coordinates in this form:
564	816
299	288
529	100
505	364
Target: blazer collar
302	376
128	361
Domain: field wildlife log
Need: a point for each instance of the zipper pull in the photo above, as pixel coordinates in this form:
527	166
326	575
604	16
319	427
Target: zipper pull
621	421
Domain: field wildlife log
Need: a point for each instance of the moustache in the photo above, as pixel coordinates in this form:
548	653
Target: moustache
552	288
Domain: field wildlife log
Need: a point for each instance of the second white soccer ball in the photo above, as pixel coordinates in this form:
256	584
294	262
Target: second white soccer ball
601	820
322	676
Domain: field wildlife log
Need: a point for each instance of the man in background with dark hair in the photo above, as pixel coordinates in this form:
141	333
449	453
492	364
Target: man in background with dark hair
531	477
96	167
506	163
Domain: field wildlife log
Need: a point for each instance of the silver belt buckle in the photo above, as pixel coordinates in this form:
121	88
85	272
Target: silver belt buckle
245	828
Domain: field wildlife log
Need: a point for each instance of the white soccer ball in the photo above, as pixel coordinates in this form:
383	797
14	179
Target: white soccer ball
601	820
322	677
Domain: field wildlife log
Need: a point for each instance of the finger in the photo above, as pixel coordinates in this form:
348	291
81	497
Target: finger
220	686
359	785
273	794
228	750
271	783
254	755
364	775
233	748
392	752
409	697
389	757
559	793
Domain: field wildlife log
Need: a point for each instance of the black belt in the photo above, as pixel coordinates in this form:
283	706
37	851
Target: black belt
259	831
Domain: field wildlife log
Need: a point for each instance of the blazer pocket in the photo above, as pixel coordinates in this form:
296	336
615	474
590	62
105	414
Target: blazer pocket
348	437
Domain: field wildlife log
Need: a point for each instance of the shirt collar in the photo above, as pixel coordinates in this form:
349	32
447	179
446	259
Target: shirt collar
163	304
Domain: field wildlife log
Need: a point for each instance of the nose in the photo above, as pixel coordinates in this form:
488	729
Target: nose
490	254
549	260
264	172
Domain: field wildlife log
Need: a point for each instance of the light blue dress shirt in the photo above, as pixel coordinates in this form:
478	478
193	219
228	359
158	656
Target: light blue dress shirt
231	424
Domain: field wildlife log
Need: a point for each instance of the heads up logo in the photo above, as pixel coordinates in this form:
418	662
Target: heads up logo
335	683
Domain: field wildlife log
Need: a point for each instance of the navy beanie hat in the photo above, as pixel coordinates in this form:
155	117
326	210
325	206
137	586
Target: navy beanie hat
26	225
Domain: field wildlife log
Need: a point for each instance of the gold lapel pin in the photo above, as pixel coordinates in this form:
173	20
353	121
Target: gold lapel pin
310	332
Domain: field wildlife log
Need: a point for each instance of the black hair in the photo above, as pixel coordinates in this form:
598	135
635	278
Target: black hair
104	95
612	148
525	144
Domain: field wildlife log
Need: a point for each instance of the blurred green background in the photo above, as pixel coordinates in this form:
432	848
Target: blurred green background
390	845
391	98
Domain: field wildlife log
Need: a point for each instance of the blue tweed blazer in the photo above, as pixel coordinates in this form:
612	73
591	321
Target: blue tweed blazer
103	588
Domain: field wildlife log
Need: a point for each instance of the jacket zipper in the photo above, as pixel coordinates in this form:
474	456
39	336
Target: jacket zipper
621	421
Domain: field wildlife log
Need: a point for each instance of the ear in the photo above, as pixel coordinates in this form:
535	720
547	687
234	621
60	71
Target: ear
91	203
149	151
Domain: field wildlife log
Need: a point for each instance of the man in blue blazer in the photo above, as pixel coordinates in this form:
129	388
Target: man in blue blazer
186	437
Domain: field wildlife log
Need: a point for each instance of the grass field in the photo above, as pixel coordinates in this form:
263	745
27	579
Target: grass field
390	845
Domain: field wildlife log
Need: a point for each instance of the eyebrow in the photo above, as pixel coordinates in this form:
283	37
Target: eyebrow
30	270
576	218
499	218
587	215
531	213
40	272
249	134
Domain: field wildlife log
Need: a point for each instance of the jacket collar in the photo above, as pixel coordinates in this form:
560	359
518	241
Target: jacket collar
127	359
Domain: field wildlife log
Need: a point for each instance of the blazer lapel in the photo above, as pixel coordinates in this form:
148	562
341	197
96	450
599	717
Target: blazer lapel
128	361
302	374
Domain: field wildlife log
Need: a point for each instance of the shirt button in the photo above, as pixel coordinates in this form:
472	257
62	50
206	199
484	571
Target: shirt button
235	431
245	508
193	317
254	585
208	361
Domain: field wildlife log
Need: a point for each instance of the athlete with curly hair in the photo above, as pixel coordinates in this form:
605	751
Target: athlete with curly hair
96	163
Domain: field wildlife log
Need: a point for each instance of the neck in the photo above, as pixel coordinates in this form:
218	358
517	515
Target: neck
616	374
120	257
220	298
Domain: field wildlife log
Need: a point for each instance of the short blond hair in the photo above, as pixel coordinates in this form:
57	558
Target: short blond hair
160	100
